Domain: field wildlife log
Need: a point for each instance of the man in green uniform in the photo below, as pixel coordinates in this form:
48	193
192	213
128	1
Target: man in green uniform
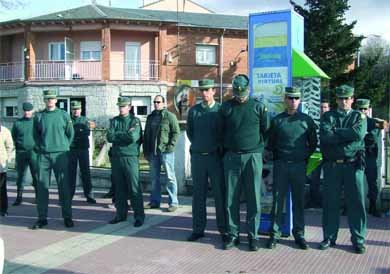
245	122
22	134
204	133
161	134
53	134
292	139
371	140
342	134
79	153
125	135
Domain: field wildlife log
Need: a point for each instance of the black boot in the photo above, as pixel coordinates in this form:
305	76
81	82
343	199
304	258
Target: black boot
19	197
373	210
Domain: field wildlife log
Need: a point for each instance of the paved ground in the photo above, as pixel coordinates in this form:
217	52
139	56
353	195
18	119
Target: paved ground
93	246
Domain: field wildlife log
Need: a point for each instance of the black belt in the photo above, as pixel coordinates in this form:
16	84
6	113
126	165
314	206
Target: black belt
205	153
344	161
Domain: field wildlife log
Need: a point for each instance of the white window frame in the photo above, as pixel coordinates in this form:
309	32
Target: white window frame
58	49
10	102
90	47
202	54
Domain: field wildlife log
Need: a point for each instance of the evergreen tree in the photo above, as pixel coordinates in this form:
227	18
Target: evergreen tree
329	40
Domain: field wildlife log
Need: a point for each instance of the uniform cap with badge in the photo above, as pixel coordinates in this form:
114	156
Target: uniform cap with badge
344	91
75	105
292	92
123	101
362	103
240	86
205	84
49	94
27	106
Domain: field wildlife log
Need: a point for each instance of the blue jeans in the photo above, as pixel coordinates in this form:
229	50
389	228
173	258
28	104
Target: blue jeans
168	162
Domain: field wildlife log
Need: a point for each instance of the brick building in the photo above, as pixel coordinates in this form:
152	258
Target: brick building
95	53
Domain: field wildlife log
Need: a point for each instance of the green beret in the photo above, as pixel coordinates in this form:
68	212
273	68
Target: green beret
206	84
344	91
49	94
27	106
123	101
292	92
240	85
75	105
363	103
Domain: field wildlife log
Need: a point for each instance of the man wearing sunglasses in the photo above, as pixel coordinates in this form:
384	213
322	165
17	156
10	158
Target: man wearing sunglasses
160	139
292	139
342	134
244	125
371	141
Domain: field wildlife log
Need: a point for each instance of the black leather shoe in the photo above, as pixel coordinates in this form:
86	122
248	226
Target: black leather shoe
117	220
151	206
272	242
224	237
231	242
359	249
138	223
325	244
91	200
68	222
302	244
39	224
18	201
253	244
195	236
108	195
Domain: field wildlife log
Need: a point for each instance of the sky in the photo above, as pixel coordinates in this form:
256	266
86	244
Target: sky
370	14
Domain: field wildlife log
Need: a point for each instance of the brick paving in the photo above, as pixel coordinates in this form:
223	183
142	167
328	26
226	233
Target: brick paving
160	246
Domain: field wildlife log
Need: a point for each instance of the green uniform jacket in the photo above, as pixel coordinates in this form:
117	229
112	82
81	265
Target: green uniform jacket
244	125
125	135
292	137
167	135
22	134
341	134
372	138
207	121
81	133
53	131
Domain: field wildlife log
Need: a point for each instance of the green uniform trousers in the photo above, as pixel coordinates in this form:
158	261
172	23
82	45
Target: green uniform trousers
23	160
243	173
205	168
58	162
81	157
125	177
285	174
371	172
335	176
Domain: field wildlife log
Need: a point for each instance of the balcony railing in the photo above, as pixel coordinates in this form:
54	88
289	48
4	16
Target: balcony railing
60	70
11	71
138	70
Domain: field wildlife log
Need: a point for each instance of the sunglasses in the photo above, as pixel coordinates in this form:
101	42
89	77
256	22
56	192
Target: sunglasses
157	102
293	98
363	108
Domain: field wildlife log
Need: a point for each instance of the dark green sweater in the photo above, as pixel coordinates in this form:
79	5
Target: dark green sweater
53	131
204	128
342	134
292	137
22	134
81	133
125	135
372	138
244	125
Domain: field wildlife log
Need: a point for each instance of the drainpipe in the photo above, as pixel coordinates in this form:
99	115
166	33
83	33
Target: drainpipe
221	67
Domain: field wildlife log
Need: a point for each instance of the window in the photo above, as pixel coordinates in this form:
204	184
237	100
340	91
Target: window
10	107
57	51
142	110
90	50
205	55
